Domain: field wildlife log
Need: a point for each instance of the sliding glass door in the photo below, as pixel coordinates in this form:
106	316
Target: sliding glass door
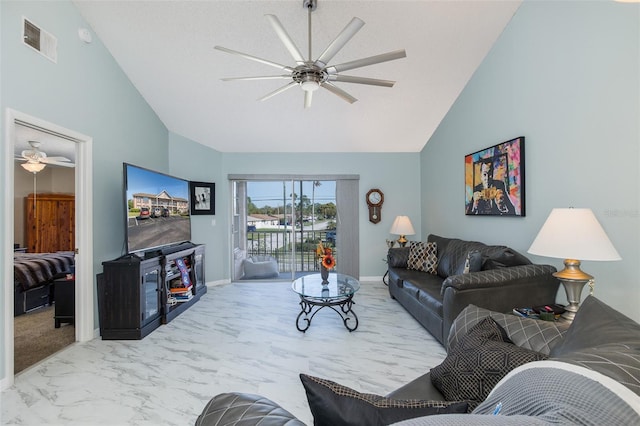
286	220
277	224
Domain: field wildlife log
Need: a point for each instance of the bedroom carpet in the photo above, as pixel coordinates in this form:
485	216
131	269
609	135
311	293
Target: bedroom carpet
36	338
238	337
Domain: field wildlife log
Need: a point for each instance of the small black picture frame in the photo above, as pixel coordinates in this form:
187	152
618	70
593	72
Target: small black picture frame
203	198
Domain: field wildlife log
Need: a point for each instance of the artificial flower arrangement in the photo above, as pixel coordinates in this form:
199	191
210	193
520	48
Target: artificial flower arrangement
325	255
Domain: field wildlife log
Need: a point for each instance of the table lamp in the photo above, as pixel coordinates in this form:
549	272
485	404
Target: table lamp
402	226
573	234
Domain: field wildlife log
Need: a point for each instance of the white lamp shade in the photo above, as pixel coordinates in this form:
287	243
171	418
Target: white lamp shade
573	234
402	226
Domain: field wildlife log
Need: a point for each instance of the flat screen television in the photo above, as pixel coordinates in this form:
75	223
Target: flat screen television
157	209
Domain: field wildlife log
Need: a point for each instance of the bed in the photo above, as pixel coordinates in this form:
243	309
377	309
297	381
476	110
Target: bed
33	278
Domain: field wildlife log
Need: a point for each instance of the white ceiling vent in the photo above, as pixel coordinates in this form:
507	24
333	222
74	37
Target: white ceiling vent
39	40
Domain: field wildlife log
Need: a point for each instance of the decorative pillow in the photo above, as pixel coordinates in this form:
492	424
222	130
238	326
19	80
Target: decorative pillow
423	257
478	361
335	405
473	262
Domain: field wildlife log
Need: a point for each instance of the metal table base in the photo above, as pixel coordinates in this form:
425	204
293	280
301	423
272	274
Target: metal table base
310	306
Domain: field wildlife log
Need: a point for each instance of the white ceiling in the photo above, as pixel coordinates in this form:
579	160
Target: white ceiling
166	50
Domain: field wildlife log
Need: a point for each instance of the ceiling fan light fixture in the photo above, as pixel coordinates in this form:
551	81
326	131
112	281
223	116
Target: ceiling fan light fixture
33	167
310	86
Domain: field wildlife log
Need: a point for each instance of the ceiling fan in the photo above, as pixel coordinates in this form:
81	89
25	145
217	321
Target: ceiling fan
311	74
36	156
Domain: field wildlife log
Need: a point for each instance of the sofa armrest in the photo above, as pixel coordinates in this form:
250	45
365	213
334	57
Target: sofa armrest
398	257
237	408
499	290
497	277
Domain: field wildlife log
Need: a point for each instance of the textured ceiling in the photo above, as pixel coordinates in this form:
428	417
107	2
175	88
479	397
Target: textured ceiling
166	50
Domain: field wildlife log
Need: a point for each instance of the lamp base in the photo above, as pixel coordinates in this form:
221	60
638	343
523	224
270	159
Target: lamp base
573	279
402	241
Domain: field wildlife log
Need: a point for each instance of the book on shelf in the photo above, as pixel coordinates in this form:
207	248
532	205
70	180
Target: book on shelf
179	290
183	298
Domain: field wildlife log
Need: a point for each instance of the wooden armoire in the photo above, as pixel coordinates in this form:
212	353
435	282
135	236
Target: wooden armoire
50	223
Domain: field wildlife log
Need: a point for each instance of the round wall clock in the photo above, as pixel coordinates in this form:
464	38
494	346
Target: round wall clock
375	198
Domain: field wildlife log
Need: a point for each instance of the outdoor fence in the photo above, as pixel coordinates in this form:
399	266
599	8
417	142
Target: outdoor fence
279	244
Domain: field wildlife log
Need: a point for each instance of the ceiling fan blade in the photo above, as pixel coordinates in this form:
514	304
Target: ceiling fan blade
266	77
54	159
59	163
308	95
286	39
371	60
337	91
278	91
347	33
254	58
361	80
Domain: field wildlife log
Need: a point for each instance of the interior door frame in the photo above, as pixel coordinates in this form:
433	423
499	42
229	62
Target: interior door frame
84	309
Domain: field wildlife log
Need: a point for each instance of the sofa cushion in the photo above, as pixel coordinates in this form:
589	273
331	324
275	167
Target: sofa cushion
334	404
501	257
594	315
244	409
423	256
602	339
528	333
260	267
452	254
478	362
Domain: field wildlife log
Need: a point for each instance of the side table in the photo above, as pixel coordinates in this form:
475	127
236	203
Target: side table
64	293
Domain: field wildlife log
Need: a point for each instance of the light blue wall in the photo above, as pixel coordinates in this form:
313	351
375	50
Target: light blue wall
396	175
566	76
86	92
195	162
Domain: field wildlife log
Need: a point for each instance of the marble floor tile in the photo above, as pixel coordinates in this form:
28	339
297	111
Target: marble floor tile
238	337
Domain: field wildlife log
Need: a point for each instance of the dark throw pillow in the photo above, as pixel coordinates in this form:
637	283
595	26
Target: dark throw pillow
478	362
335	405
423	257
473	263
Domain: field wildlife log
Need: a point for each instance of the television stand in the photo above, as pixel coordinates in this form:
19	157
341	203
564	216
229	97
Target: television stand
176	248
134	293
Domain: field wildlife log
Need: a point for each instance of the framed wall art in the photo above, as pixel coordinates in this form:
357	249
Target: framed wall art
203	198
494	180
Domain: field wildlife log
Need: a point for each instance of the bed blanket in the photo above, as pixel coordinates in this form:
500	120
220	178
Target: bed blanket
35	269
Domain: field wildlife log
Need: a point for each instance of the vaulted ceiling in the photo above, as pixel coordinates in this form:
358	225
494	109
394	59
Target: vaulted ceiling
166	48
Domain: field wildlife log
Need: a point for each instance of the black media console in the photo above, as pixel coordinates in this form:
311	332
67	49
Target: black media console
136	294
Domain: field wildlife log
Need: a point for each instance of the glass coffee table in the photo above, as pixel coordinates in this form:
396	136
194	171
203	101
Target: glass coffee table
336	294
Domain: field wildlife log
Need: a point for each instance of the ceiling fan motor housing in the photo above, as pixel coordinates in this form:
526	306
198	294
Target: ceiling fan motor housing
309	77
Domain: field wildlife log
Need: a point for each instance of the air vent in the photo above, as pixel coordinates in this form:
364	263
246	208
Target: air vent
40	40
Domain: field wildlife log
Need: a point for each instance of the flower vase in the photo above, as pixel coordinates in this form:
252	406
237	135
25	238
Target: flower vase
324	273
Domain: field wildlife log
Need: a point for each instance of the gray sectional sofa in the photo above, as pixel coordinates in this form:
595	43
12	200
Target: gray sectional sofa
498	278
588	373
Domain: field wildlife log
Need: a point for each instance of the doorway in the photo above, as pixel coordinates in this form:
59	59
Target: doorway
84	305
278	221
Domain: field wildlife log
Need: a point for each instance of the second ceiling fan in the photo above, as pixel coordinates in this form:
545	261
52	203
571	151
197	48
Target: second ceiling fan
311	74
